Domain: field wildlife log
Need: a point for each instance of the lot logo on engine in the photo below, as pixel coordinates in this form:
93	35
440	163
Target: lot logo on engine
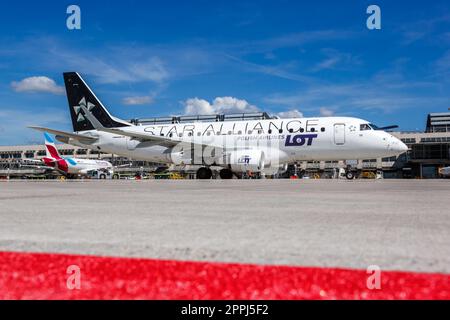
300	140
244	160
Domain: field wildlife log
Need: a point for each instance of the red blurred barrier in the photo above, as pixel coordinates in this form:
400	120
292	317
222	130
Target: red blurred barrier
44	276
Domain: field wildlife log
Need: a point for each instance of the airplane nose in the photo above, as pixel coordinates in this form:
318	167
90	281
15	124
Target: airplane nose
397	145
403	147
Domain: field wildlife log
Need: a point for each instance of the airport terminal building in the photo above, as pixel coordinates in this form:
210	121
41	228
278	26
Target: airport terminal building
428	151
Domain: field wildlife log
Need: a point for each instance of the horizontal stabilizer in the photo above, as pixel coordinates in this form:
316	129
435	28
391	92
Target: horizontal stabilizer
79	137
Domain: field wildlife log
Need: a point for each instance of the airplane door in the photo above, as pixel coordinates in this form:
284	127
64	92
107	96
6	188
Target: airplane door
339	133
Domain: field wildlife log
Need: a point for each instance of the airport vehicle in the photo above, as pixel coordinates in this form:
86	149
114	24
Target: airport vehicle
102	174
238	146
71	167
445	172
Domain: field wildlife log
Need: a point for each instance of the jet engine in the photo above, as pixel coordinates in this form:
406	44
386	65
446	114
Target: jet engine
246	160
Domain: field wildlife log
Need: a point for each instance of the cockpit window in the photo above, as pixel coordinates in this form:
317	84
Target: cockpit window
374	127
365	126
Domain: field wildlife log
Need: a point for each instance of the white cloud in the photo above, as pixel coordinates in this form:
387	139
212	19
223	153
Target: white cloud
294	113
196	106
424	30
299	39
387	91
325	112
152	70
108	70
37	84
227	105
134	101
335	59
328	63
280	71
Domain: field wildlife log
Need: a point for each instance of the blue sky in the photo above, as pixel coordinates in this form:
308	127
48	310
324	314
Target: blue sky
149	58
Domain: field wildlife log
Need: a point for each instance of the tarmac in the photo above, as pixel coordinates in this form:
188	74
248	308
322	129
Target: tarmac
394	224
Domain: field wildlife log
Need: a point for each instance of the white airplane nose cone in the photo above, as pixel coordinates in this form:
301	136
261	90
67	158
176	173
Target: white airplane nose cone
403	147
398	146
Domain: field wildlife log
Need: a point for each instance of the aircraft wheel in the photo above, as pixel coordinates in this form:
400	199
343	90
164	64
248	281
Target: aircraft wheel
226	174
349	175
204	173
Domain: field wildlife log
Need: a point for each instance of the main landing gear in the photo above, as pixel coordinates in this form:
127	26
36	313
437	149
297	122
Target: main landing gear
204	173
226	174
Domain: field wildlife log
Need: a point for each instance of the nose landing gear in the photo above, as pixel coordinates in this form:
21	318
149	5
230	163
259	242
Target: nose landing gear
350	175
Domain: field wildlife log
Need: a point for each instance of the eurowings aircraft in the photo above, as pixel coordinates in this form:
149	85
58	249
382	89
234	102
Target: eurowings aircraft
264	145
71	166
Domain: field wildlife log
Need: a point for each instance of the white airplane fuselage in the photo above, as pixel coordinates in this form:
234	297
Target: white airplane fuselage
279	140
83	166
76	166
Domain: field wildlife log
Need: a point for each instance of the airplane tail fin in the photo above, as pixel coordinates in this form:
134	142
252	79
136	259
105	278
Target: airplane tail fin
50	148
80	97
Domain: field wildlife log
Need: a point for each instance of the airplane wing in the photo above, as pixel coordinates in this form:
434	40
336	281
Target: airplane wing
76	136
27	161
161	140
141	136
35	164
37	167
124	165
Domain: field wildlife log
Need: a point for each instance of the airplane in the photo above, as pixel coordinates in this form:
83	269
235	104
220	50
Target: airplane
71	167
262	146
445	171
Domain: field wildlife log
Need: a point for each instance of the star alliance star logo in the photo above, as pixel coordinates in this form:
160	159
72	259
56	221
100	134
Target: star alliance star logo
79	112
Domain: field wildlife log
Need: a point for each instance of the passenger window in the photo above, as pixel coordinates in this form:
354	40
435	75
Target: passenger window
313	129
280	131
199	134
322	129
302	130
270	131
291	130
249	131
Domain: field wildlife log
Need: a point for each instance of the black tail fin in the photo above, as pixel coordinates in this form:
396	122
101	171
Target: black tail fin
79	93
